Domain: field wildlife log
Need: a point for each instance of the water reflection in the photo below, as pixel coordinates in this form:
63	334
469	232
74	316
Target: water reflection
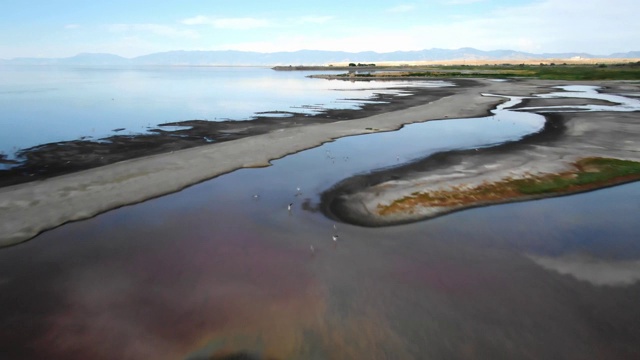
593	270
621	103
90	102
214	270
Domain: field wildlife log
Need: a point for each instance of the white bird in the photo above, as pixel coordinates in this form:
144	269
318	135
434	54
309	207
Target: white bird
298	191
335	237
335	227
289	207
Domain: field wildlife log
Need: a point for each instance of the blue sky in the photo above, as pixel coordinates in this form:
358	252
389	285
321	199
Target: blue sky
61	28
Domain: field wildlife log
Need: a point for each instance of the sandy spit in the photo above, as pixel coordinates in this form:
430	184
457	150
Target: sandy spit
567	137
28	209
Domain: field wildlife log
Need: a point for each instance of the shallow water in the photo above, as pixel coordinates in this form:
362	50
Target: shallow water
43	104
619	102
213	268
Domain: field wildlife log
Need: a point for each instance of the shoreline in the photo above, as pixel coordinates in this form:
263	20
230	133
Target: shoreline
410	65
30	208
566	138
58	158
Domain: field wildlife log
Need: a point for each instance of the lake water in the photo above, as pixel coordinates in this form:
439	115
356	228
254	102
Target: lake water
43	104
214	269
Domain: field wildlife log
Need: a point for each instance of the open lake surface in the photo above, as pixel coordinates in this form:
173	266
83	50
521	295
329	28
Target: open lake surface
44	104
224	268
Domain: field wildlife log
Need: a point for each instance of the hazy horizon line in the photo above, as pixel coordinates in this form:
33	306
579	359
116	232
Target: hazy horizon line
327	51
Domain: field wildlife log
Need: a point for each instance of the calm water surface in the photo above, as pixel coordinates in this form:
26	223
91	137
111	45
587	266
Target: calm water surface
42	104
213	269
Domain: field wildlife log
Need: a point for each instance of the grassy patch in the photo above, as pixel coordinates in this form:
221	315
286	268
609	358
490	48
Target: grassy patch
587	73
626	71
587	174
588	171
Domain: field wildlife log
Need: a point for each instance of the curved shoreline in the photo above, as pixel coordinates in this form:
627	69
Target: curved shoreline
64	157
338	204
30	208
566	138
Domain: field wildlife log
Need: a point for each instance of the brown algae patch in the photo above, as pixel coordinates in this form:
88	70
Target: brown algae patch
587	174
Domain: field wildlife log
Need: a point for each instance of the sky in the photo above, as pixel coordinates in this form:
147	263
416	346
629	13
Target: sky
130	28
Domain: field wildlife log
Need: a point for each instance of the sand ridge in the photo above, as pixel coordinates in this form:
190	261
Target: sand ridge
566	138
30	208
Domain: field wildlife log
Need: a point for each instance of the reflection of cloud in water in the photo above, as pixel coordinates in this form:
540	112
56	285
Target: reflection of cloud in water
623	104
595	271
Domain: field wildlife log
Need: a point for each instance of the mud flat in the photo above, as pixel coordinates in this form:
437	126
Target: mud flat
27	209
458	180
57	158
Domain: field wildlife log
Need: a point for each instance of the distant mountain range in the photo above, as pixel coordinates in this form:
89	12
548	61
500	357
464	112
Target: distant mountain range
302	57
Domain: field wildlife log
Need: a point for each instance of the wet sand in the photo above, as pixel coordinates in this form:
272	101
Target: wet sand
566	138
30	208
59	158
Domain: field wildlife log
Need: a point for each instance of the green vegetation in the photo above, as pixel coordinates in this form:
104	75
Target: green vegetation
587	72
588	171
625	71
360	64
588	174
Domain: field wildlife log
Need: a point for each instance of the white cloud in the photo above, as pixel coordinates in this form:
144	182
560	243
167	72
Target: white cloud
245	23
543	26
381	41
162	30
196	20
595	26
316	19
595	271
462	2
401	8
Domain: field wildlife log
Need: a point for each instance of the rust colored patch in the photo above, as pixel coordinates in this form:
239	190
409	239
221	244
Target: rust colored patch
510	189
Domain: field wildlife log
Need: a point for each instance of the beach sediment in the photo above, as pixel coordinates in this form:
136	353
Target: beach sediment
30	208
58	158
566	138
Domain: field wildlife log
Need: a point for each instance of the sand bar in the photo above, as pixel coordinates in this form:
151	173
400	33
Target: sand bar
30	208
566	138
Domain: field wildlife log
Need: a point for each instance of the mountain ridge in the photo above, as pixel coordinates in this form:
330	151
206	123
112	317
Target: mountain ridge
303	57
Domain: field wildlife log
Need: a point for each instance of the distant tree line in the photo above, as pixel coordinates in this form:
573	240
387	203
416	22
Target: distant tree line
360	64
